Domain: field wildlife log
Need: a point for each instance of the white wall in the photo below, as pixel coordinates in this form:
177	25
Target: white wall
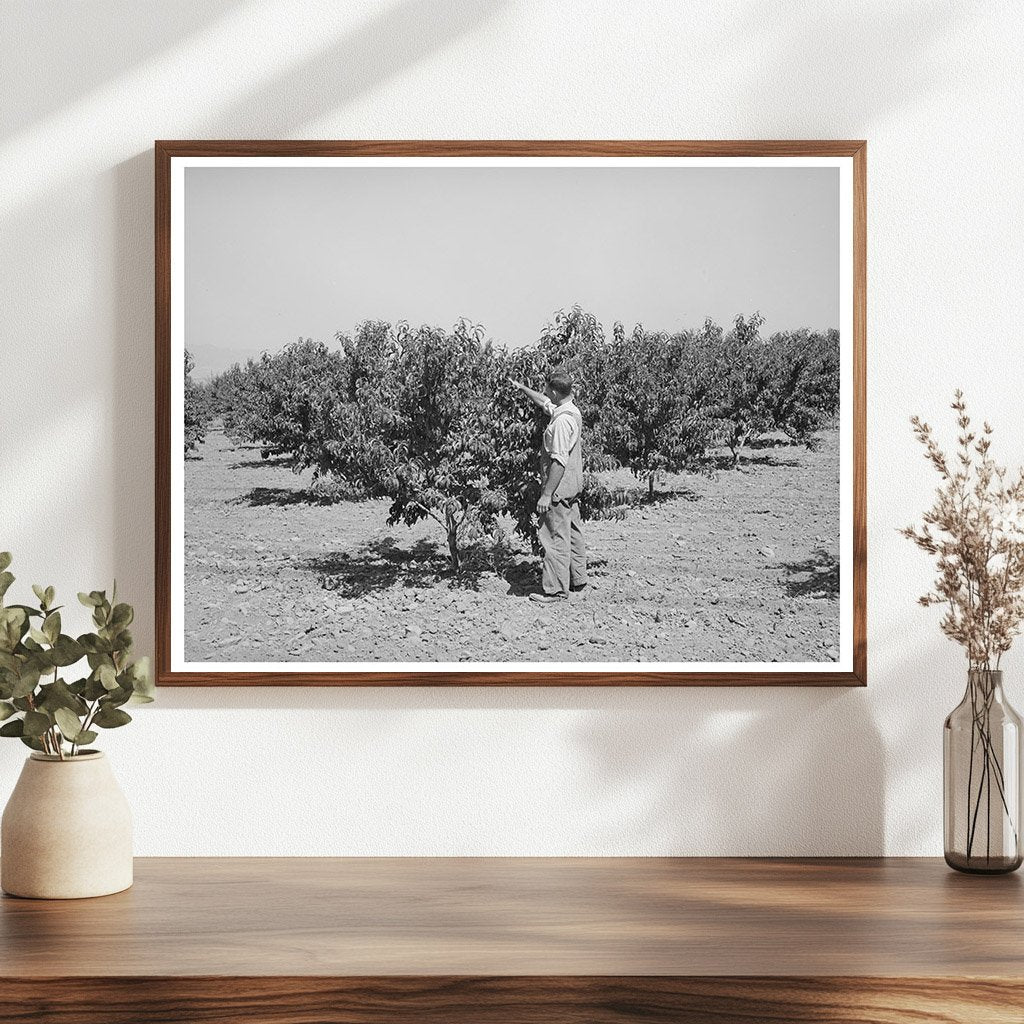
936	88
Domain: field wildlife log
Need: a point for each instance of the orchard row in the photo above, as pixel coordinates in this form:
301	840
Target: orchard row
427	417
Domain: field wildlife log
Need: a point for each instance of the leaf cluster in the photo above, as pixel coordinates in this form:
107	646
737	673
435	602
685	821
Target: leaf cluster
37	704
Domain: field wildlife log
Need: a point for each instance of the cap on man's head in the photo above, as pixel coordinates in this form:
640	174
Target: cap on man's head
560	382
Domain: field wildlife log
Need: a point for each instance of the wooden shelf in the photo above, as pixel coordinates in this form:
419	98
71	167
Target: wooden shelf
505	940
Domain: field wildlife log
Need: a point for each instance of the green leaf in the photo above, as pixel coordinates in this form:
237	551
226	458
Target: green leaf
13	728
122	616
36	723
89	600
6	710
29	611
31	741
40	592
5	560
51	626
94	689
115	698
27	681
38	635
69	724
107	676
94	644
66	651
109	718
50	595
6	579
59	695
13	623
86	736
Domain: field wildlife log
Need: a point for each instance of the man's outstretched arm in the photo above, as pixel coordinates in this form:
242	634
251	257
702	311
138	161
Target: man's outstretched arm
537	397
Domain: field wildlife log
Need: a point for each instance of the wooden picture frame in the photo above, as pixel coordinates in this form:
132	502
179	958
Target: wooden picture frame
848	670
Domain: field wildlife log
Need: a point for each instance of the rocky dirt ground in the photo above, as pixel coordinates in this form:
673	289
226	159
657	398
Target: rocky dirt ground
739	567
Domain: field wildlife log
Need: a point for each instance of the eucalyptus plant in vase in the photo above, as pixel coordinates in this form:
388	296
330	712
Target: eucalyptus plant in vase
975	531
66	830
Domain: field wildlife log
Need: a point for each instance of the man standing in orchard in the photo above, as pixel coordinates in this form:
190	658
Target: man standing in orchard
565	552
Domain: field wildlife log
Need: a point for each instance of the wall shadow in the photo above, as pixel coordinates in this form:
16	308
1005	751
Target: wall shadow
74	29
407	33
395	38
747	770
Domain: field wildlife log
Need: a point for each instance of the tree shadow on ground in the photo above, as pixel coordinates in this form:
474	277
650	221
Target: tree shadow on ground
271	462
817	576
381	564
293	496
277	496
671	494
774	442
640	500
763	458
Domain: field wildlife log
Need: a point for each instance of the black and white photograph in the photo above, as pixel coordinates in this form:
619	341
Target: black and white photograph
560	415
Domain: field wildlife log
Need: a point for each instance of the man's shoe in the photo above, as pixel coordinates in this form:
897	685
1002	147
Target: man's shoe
548	598
577	587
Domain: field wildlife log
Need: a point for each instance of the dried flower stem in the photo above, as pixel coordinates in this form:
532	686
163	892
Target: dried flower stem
975	531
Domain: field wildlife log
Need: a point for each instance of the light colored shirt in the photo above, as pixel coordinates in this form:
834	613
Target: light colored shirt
562	432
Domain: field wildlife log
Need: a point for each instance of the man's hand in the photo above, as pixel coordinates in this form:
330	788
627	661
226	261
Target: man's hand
538	398
543	504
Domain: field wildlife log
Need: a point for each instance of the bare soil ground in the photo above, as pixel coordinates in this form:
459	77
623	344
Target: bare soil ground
739	567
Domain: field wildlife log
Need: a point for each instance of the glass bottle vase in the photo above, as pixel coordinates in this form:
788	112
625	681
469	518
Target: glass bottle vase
981	772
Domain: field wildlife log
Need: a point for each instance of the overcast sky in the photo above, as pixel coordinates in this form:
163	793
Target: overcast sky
274	254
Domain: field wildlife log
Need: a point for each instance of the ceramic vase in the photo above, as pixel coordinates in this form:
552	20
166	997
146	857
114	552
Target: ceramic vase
66	831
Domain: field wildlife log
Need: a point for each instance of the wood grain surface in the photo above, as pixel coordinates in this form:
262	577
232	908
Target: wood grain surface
530	916
166	150
504	940
512	1000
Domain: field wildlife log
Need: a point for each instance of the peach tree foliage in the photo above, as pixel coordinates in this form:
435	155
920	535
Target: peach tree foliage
197	408
575	341
430	422
427	417
802	391
743	375
39	706
282	401
654	417
788	382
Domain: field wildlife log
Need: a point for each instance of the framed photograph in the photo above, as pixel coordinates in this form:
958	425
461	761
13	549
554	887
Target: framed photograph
510	413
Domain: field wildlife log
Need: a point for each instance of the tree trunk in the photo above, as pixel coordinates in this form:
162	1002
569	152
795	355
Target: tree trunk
650	487
739	439
453	540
